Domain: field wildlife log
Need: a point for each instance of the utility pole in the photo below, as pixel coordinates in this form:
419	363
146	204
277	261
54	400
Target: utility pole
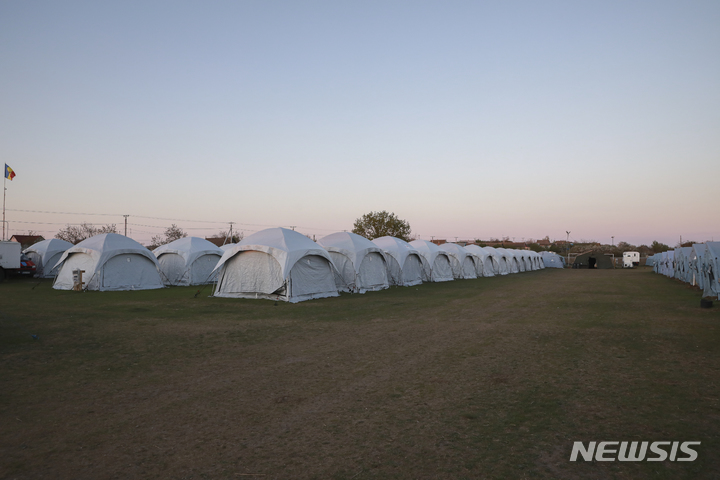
613	240
567	246
126	216
231	234
293	227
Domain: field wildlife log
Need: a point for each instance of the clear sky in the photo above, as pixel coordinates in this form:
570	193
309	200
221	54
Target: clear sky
468	119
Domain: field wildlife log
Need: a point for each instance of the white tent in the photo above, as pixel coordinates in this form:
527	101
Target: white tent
523	259
188	261
277	264
406	266
438	260
110	262
46	254
360	262
227	246
484	262
682	263
711	282
500	264
512	261
650	260
462	261
539	264
552	260
697	263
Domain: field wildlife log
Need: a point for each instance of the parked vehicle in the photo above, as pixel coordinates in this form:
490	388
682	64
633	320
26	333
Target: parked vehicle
13	261
631	259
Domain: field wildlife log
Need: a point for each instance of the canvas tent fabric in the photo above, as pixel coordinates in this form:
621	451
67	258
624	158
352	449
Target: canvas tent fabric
111	262
188	261
462	261
595	259
649	261
406	266
227	246
682	263
360	263
485	264
711	260
667	263
439	261
552	260
46	254
697	263
499	261
512	262
277	264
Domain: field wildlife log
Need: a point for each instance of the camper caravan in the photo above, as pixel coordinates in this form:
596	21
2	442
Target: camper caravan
631	259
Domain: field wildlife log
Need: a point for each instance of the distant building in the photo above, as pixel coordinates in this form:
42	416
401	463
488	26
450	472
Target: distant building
27	240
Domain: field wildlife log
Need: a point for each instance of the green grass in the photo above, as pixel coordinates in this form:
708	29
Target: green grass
486	378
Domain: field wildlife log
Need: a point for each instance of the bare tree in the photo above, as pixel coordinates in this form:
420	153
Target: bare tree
77	233
171	234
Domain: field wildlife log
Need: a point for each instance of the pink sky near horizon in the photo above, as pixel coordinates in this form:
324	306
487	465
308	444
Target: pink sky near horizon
468	120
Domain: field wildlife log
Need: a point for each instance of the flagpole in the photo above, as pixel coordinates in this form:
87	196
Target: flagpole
4	190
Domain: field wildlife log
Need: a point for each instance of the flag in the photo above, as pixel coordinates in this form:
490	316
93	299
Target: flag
9	172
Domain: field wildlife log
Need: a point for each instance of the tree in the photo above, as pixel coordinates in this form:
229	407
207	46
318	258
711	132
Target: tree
659	247
171	234
77	233
225	234
379	224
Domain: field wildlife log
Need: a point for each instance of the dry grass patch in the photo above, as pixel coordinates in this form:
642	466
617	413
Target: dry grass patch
491	378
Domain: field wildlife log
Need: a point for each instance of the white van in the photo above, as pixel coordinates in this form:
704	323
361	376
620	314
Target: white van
631	259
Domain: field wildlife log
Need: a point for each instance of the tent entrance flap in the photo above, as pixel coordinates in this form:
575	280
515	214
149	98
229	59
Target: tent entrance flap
251	272
311	275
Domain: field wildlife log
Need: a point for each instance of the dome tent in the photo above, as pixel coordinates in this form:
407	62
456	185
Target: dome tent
277	264
188	261
499	259
697	261
111	262
462	261
486	266
552	260
711	270
593	259
681	268
360	262
406	266
46	254
513	265
438	260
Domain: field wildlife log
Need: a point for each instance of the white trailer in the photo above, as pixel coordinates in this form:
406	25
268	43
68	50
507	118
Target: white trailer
13	262
631	259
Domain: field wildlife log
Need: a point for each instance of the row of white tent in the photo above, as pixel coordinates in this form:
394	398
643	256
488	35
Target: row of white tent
276	263
697	265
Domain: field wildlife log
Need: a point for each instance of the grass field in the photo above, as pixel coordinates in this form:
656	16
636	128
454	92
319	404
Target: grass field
486	378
